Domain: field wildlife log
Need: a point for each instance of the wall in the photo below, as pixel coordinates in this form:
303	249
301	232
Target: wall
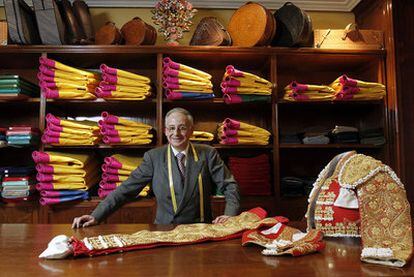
321	20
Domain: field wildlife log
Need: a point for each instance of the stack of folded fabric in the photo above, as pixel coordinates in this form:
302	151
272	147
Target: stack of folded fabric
252	174
17	183
118	167
22	135
345	134
3	138
15	87
201	136
235	132
70	132
184	82
372	136
239	87
306	92
291	138
61	81
64	176
117	130
347	89
119	84
316	135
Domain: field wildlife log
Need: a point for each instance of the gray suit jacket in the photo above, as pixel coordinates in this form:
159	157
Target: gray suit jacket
154	170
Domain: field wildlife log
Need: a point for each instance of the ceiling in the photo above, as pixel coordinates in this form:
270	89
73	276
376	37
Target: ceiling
308	5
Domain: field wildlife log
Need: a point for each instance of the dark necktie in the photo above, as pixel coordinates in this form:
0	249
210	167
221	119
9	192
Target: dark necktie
181	165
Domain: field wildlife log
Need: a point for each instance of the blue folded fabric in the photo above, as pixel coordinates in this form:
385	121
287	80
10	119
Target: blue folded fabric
56	200
14	171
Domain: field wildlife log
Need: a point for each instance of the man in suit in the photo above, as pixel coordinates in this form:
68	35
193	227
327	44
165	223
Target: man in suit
182	176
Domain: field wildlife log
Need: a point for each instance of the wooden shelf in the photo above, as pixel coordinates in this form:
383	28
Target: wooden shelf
332	145
99	146
116	49
221	146
347	102
20	101
100	101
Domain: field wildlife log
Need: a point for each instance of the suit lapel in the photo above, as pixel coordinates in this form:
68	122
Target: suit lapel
193	169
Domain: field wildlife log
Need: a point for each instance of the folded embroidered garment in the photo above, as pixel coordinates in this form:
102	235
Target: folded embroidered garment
84	124
66	169
364	96
181	81
50	76
67	85
244	98
110	178
59	66
123	162
177	95
62	186
82	135
346	81
308	96
68	130
227	132
242	140
298	87
183	234
112	119
75	160
56	200
231	81
105	127
126	140
169	72
55	73
201	136
120	133
61	193
193	88
243	90
69	141
238	125
67	94
281	239
102	193
116	171
118	80
167	62
109	186
121	95
232	71
122	73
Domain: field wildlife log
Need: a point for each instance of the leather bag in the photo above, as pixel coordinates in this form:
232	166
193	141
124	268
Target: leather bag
210	32
252	25
294	27
49	21
137	32
108	34
21	22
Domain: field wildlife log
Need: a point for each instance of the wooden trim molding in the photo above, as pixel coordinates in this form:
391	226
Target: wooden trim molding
308	5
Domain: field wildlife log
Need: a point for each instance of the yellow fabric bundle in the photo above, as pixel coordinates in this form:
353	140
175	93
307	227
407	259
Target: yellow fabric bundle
77	124
235	132
201	136
75	160
128	163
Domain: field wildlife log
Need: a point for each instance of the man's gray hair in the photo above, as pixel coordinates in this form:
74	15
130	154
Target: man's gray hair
182	111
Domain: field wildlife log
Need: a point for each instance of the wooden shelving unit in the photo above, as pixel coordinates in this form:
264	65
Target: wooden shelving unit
280	65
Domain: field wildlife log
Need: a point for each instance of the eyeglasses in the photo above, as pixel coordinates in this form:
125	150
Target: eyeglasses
181	128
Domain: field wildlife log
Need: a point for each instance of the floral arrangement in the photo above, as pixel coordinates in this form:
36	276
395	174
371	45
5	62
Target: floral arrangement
174	18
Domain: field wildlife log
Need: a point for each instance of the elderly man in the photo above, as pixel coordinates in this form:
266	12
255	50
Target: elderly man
182	175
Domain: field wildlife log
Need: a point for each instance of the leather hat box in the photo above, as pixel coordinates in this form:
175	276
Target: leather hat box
349	38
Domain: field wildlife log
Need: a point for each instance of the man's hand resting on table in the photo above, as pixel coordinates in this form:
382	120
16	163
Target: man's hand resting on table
84	221
221	219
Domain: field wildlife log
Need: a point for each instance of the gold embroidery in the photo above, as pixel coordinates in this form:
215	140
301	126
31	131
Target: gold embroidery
389	229
185	233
